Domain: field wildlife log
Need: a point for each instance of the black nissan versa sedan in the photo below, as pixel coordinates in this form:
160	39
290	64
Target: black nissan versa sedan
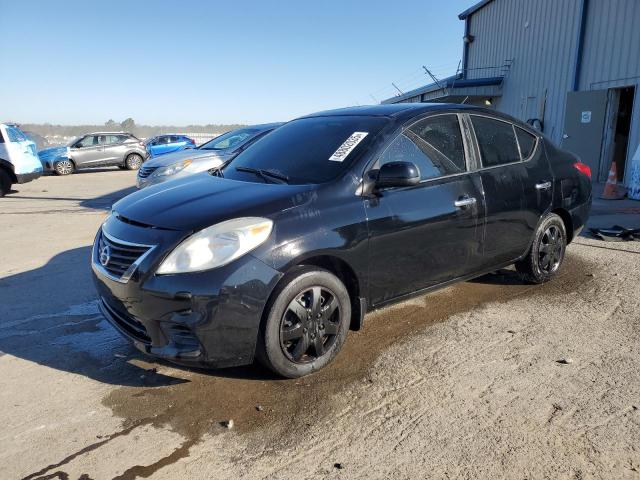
278	253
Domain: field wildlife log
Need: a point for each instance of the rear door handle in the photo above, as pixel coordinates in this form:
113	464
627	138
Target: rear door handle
543	186
465	202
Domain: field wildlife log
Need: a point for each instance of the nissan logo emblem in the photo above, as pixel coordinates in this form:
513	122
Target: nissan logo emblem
105	255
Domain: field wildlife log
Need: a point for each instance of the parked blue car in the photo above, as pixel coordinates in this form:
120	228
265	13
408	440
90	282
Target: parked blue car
161	144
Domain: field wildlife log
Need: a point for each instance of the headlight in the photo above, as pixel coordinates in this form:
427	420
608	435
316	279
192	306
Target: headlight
172	169
217	245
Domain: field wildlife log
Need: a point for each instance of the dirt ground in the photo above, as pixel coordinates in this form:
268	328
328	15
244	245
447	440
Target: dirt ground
487	379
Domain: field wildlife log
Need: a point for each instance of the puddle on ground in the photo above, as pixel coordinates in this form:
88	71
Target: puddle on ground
208	398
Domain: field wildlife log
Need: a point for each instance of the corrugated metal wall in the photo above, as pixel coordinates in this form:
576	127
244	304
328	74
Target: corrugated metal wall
612	54
539	38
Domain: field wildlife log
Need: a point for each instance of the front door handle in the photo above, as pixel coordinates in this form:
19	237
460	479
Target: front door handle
465	202
543	186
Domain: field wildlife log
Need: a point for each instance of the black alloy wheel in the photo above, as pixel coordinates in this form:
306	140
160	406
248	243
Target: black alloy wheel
309	325
551	250
306	322
547	251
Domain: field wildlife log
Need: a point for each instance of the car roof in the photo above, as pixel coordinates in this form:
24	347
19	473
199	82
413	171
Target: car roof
109	133
392	110
265	126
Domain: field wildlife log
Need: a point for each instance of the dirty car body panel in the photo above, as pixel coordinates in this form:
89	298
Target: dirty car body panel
384	243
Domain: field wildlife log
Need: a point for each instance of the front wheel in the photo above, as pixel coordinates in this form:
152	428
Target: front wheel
64	167
133	161
307	323
546	253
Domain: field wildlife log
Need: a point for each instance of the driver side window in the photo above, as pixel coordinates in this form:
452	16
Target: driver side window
434	145
88	141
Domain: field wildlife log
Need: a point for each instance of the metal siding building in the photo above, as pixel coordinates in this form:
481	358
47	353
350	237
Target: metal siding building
548	54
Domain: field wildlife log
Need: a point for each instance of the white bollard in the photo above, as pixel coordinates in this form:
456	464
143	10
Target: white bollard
634	175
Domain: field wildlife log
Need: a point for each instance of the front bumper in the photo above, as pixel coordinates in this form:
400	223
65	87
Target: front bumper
28	177
203	319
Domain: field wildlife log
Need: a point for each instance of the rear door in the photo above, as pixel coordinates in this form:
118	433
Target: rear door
516	192
429	233
176	143
114	149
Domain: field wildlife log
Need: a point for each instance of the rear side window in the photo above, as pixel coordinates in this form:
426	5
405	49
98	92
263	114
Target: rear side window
497	141
526	141
442	133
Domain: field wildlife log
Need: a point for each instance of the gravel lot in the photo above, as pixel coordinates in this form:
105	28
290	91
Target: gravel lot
486	379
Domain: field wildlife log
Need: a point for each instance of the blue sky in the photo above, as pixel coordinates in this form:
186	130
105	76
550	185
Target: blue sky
191	62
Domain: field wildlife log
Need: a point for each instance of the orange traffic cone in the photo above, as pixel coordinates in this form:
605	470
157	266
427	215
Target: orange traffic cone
612	191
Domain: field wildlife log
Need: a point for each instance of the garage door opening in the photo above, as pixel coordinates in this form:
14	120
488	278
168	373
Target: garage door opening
619	122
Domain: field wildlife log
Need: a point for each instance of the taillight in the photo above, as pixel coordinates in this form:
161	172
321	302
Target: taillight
582	168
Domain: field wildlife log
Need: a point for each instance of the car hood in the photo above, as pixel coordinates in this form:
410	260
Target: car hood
192	153
201	200
53	152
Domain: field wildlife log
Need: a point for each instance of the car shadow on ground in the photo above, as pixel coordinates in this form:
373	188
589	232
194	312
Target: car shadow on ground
106	201
55	321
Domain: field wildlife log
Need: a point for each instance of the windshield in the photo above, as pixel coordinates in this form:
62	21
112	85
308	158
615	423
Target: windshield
72	142
231	139
308	150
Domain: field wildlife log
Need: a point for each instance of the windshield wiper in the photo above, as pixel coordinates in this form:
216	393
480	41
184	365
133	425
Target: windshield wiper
264	173
217	171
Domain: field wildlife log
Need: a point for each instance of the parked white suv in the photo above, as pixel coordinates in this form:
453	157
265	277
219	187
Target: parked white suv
19	161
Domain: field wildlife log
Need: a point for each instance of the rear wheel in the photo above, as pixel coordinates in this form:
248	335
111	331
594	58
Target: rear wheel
307	323
64	167
5	182
547	251
133	161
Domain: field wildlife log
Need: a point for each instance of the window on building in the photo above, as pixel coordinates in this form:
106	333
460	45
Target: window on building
497	141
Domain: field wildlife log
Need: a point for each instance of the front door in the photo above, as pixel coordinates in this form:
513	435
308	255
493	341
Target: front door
88	152
584	125
430	233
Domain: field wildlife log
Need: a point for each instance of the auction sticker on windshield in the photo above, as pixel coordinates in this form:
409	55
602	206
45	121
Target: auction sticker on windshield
347	146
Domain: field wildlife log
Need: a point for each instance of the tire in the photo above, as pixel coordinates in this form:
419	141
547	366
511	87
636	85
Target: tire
5	182
64	167
296	344
133	161
546	253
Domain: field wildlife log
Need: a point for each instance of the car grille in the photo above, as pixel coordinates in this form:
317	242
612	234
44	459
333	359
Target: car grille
119	257
144	172
131	326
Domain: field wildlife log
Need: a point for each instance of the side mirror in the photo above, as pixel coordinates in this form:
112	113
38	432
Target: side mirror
398	174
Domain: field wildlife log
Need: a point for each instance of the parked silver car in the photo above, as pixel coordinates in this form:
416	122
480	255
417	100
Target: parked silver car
98	149
205	157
